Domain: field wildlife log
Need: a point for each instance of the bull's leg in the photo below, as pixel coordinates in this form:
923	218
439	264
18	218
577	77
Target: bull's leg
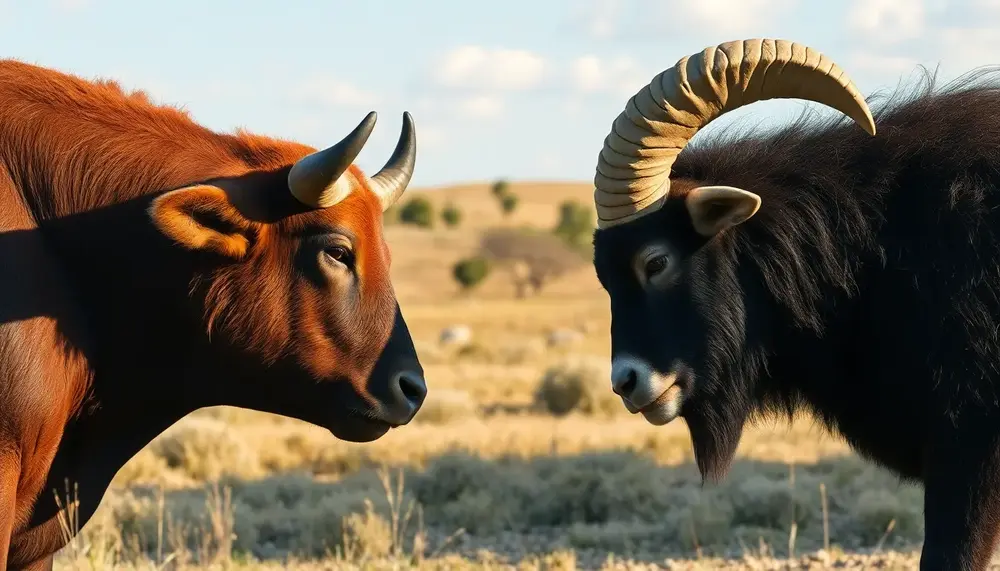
43	564
962	497
34	547
9	474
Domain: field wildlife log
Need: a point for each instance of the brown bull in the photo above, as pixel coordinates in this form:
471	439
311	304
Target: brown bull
152	267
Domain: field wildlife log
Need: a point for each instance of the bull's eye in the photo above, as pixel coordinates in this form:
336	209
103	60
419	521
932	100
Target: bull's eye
655	266
339	253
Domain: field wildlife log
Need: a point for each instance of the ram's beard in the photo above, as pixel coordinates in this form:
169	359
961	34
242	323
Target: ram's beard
715	435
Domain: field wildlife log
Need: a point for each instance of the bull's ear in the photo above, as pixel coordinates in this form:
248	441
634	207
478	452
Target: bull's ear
201	217
716	208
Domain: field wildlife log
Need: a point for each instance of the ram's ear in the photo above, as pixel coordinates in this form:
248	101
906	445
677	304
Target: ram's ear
201	217
717	208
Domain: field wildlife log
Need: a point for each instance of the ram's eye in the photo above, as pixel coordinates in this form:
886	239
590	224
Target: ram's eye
655	266
339	253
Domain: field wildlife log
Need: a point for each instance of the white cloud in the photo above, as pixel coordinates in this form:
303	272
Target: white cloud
490	68
888	21
430	136
326	90
587	74
987	4
603	19
482	106
599	18
963	49
156	88
620	76
898	35
884	66
725	17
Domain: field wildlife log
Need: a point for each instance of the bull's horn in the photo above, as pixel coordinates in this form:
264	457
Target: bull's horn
633	169
390	182
313	180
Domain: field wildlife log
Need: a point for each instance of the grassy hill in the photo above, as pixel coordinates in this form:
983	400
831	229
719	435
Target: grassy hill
422	259
538	206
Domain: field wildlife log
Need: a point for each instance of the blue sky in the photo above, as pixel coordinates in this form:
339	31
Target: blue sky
519	89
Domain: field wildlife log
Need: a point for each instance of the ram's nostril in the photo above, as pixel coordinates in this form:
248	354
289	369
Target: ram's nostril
631	380
624	380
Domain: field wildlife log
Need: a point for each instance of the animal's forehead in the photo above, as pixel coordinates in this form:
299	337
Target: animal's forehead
354	217
360	213
625	241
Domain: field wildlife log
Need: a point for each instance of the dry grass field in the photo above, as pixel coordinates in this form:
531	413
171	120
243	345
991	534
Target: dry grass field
520	459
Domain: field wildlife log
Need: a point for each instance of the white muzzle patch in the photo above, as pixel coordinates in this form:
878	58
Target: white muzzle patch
643	389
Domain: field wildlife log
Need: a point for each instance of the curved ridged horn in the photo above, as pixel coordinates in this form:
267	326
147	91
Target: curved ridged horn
390	182
633	168
313	179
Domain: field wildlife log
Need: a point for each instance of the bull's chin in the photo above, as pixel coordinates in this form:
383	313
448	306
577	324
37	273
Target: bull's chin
666	407
359	429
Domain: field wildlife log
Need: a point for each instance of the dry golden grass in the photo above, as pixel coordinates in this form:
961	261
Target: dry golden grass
496	475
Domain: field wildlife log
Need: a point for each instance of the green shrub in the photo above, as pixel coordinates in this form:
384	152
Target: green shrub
451	215
417	212
500	188
508	203
576	222
470	272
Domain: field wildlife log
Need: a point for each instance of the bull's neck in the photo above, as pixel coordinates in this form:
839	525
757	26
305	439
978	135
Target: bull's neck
128	284
131	285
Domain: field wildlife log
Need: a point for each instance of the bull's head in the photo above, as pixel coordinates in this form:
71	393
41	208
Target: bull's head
677	314
294	273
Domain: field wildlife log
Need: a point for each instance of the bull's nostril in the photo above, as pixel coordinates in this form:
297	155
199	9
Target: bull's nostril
407	393
413	387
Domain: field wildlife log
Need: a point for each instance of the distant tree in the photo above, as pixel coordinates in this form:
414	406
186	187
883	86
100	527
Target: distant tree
531	257
576	222
508	203
418	211
451	215
470	272
500	188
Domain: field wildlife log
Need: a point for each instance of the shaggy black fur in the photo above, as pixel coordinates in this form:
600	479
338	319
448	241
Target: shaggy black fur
866	289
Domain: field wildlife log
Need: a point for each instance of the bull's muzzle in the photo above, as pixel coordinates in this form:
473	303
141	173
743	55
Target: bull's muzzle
407	390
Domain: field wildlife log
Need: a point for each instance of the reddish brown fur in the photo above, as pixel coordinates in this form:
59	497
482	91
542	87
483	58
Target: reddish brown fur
110	295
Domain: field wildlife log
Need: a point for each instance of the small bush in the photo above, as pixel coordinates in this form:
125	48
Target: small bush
417	212
579	385
576	222
508	203
619	500
500	188
470	272
451	216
